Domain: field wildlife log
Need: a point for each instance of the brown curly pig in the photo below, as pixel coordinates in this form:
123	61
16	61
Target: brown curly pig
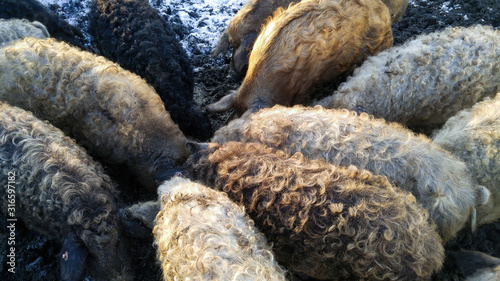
310	42
326	221
200	234
244	29
473	135
440	182
111	110
56	189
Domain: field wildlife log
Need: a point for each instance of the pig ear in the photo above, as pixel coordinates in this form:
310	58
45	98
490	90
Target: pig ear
468	262
138	219
223	44
483	195
72	258
195	146
239	63
224	104
42	27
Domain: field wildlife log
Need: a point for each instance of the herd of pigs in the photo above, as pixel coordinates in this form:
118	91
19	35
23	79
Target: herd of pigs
290	187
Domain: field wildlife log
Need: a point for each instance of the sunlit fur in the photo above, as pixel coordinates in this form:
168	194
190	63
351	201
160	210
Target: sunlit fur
202	235
136	36
113	112
439	181
243	29
310	42
59	189
425	80
326	221
15	29
473	135
247	23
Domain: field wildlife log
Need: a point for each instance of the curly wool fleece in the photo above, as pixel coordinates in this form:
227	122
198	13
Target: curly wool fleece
59	189
325	221
473	135
114	112
15	29
425	80
439	181
201	234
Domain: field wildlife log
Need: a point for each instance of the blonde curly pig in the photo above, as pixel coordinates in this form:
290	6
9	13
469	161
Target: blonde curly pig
439	181
425	80
326	221
473	135
202	235
63	193
14	29
111	111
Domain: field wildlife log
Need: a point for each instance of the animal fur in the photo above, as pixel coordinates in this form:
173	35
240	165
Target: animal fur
439	181
133	34
247	23
14	29
425	80
312	41
59	189
113	112
33	10
242	31
473	135
326	221
200	234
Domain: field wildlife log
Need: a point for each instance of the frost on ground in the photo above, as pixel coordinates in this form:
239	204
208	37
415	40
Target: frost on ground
204	20
198	23
74	12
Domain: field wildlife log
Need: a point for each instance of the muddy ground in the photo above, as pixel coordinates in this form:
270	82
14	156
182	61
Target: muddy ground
36	256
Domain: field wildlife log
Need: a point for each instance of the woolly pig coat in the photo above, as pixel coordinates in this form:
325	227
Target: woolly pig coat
33	10
473	135
113	112
425	80
310	42
15	29
59	190
200	234
326	221
439	181
134	34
